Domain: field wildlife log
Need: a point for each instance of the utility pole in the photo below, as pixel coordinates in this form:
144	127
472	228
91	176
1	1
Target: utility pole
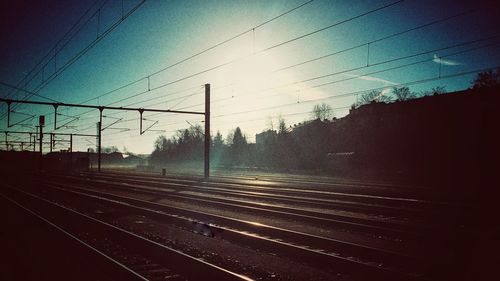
99	128
207	131
99	124
51	141
71	152
41	123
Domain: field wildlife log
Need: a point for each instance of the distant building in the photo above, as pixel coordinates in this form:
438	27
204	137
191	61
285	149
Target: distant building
266	137
309	126
433	138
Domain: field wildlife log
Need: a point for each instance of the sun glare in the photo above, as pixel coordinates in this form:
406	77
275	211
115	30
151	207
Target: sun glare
253	73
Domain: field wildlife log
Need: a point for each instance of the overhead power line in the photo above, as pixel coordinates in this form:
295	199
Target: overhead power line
433	22
153	98
415	82
52	50
365	91
364	67
57	104
82	52
195	55
264	50
365	43
379	63
26	91
372	65
201	52
246	56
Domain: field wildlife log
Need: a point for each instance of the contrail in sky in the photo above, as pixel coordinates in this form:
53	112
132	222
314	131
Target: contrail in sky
371	78
437	59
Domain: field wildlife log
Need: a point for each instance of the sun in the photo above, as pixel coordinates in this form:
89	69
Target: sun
253	71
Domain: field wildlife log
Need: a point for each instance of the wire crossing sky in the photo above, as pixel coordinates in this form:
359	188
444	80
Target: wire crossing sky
263	59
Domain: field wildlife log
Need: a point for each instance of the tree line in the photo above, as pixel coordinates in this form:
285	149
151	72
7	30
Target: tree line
301	147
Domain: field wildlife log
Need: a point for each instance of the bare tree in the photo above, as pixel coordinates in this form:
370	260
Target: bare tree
402	93
367	97
373	96
438	90
270	123
322	112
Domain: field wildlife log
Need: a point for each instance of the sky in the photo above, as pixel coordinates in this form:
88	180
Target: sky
263	60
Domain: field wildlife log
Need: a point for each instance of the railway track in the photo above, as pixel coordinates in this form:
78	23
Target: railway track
393	210
315	250
292	181
408	240
258	202
334	194
65	256
126	255
352	223
149	198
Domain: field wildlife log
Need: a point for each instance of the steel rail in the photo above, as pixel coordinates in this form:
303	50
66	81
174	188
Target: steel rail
102	260
284	187
184	264
212	187
294	180
337	200
350	223
242	231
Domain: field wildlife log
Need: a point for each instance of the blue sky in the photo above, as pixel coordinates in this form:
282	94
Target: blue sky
251	90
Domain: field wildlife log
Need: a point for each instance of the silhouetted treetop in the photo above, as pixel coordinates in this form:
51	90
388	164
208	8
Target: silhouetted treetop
322	111
238	138
487	79
110	149
218	140
438	90
282	129
402	93
373	96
